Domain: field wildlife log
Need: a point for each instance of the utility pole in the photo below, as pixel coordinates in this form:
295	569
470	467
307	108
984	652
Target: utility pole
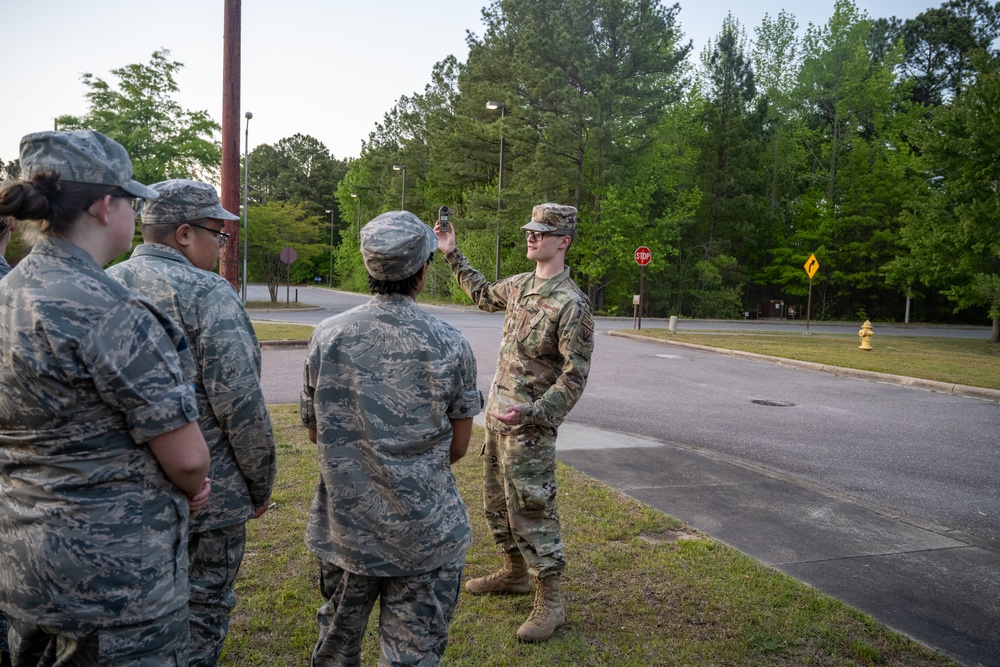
229	265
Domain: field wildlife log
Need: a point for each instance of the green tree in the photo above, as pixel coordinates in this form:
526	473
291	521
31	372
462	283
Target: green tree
954	238
163	139
939	43
729	137
278	225
860	172
299	170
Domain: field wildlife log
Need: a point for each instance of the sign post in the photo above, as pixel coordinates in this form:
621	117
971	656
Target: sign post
811	266
288	255
642	257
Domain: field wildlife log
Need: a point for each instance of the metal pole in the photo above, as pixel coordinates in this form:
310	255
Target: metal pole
402	200
359	218
503	108
642	273
331	248
809	305
246	175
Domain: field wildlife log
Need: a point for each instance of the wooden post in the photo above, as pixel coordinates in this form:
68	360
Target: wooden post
229	265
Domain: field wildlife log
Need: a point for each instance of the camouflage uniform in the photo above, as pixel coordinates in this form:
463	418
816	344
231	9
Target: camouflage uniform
4	267
542	366
93	536
382	382
233	415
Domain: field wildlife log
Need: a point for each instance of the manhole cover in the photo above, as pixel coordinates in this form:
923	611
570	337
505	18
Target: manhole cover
773	404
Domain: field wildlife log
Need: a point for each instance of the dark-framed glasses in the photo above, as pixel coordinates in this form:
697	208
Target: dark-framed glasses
222	237
532	235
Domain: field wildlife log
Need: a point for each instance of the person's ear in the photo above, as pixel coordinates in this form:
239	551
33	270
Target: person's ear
99	209
184	235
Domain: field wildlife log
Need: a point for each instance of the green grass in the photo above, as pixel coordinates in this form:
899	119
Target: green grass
952	360
641	589
268	331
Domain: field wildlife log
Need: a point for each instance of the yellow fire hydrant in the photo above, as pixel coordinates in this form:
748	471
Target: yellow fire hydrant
866	333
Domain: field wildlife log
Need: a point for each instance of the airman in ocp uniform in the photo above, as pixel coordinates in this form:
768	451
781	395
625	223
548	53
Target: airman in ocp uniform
542	368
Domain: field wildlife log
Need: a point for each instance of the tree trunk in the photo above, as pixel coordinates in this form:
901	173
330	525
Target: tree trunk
995	338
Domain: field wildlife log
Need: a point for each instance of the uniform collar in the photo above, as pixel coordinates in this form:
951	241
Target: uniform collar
162	251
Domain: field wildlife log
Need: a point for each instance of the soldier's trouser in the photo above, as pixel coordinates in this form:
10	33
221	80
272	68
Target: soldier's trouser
215	557
161	642
414	615
519	496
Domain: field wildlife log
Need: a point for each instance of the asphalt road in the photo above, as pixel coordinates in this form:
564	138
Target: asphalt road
880	495
929	455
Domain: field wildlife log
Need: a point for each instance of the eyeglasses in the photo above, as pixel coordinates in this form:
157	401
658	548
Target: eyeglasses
536	236
222	237
136	202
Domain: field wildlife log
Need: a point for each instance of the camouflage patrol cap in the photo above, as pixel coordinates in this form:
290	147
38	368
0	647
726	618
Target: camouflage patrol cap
183	200
81	156
552	218
395	245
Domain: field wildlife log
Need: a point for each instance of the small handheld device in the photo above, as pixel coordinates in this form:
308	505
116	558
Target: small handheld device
443	217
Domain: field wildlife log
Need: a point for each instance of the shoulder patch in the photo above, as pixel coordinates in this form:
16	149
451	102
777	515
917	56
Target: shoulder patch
586	329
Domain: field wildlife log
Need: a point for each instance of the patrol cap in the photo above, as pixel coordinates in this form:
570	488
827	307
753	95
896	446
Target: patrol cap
81	156
183	200
395	245
552	218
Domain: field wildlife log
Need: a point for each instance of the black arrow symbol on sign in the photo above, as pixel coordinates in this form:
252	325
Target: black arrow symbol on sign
811	262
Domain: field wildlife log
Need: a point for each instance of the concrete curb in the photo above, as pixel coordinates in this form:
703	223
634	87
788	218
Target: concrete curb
283	344
917	383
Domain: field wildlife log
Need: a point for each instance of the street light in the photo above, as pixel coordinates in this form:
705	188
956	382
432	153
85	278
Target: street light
355	196
499	105
402	201
246	165
330	211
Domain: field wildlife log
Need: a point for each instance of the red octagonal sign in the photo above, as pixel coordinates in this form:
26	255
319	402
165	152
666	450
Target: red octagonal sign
642	255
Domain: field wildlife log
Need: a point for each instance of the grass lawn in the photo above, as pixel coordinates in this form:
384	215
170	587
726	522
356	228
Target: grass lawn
641	589
953	360
267	331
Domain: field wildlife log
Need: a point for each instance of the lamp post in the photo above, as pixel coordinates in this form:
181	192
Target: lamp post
499	105
246	165
355	196
330	211
402	201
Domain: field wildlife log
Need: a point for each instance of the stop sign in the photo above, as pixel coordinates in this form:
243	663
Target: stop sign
288	255
642	255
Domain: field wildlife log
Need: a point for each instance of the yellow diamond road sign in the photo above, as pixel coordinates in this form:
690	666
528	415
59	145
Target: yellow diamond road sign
811	266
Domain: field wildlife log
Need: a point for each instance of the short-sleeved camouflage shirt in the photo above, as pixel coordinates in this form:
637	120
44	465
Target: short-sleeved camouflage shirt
382	382
548	339
92	533
233	415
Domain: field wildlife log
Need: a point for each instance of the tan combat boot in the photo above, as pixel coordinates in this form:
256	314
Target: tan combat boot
547	614
511	578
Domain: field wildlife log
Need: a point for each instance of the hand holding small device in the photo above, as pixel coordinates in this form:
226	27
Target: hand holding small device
443	219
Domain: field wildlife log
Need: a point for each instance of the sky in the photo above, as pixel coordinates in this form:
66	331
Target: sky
326	68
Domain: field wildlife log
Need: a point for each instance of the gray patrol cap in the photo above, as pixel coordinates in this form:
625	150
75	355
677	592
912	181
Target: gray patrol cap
183	200
552	218
396	244
81	156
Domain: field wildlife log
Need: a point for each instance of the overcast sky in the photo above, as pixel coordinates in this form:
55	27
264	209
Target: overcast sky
328	68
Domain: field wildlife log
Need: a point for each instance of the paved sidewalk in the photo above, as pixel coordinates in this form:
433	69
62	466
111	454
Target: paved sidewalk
936	585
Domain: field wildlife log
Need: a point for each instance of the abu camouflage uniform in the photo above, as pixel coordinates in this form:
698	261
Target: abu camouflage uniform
92	533
542	366
382	383
233	416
